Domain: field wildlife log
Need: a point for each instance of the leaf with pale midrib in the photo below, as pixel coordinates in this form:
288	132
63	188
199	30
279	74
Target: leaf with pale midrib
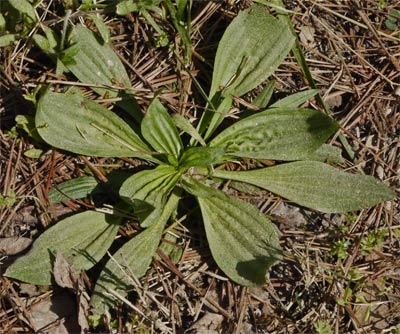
76	124
134	257
316	185
82	239
243	242
279	134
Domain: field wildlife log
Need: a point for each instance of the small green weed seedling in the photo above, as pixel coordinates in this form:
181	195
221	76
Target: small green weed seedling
243	241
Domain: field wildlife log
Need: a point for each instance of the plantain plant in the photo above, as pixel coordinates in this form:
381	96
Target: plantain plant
242	240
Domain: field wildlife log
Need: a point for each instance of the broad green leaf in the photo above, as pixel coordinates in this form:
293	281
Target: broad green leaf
96	63
84	186
147	191
201	156
251	49
160	131
325	153
183	124
25	9
43	43
134	258
295	100
74	123
80	187
316	185
281	134
7	40
243	242
82	239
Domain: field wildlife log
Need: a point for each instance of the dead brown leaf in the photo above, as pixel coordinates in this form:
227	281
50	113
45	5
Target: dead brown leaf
55	315
210	323
14	245
64	274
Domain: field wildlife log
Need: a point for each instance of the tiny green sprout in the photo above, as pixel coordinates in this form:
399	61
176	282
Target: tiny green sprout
339	249
354	275
9	199
12	133
323	327
381	4
33	153
373	239
243	242
392	20
95	320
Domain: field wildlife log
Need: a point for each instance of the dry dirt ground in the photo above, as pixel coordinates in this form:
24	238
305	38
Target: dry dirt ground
340	273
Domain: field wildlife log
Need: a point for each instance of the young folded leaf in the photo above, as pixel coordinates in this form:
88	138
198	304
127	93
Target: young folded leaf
159	130
280	134
243	242
216	119
147	191
263	98
83	126
316	185
295	100
132	258
82	239
201	156
184	124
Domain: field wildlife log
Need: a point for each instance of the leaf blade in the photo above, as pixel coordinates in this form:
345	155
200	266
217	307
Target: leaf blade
316	185
96	63
295	100
133	257
85	127
80	187
251	49
243	242
280	134
83	239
